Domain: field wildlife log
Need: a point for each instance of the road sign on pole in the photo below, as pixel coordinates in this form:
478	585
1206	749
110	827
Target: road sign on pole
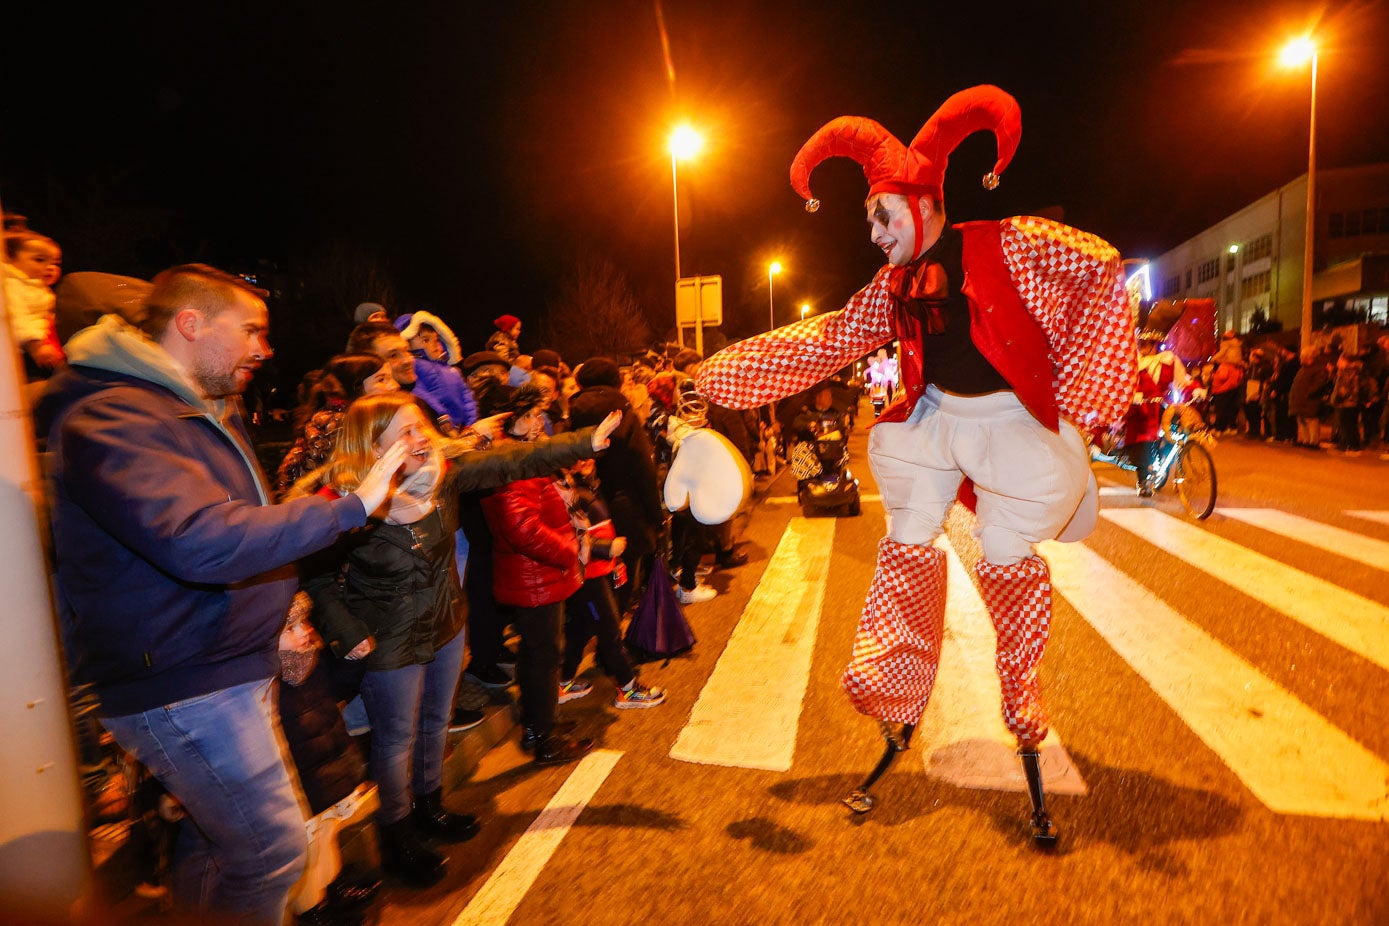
699	303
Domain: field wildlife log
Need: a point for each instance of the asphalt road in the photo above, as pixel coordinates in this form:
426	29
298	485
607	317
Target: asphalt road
1196	810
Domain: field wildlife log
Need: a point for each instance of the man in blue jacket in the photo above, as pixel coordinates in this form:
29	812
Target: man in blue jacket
175	573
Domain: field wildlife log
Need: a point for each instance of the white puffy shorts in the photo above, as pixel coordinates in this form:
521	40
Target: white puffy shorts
1032	484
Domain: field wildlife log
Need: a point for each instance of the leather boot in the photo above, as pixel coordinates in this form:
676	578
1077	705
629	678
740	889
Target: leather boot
433	820
1019	602
404	854
897	645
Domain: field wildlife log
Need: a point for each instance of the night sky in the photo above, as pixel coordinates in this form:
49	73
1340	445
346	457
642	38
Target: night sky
478	153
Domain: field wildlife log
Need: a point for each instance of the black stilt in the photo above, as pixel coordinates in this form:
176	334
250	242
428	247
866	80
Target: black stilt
859	800
1043	831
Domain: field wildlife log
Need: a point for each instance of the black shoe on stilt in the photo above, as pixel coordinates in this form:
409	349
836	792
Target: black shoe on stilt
1043	830
433	820
859	800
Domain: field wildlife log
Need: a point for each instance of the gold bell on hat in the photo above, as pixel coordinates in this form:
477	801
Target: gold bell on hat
812	205
991	181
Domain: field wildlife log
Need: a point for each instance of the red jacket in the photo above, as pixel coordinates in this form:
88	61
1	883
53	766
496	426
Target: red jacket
535	554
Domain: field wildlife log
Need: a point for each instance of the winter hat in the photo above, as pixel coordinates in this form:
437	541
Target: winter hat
365	310
482	358
505	322
598	371
545	358
919	169
524	399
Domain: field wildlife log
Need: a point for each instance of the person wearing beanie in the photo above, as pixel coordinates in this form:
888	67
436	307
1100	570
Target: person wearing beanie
994	374
370	312
504	340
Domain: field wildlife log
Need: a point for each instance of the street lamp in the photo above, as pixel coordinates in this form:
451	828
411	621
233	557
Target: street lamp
805	307
772	270
1296	53
685	143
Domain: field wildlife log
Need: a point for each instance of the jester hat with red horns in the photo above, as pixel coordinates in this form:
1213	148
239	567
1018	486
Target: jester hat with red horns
919	169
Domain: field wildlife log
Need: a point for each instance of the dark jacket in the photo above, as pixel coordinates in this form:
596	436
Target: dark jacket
174	573
398	583
329	765
536	552
1310	387
626	470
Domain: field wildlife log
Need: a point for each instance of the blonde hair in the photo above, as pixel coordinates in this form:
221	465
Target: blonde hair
354	448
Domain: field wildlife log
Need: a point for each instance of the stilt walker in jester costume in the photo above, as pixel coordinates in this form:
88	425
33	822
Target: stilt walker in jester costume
1012	335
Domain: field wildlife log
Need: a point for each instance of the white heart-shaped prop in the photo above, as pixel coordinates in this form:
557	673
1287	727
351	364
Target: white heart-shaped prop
709	475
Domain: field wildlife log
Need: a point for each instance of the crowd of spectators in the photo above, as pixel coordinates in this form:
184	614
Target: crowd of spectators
1322	398
281	652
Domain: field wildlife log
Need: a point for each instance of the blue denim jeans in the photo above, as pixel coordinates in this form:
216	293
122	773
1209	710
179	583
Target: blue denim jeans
242	846
410	709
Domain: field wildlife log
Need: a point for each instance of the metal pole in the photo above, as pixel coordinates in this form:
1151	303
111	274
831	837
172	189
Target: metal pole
1311	214
675	210
771	303
44	859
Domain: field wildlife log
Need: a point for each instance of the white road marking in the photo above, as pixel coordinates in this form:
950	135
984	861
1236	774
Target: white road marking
962	737
1290	757
795	500
1370	515
1341	542
1355	622
747	714
497	899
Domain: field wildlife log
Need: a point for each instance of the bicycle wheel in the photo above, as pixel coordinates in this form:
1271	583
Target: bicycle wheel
1194	480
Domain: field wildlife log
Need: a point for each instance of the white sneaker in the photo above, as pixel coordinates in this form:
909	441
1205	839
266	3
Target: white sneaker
695	595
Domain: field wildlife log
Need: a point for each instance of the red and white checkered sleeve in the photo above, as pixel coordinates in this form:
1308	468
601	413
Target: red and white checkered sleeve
783	362
1073	284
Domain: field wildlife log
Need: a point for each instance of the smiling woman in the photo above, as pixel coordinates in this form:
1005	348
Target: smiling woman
410	647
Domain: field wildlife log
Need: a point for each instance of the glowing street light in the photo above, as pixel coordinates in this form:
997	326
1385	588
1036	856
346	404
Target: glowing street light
805	307
685	143
1295	54
772	270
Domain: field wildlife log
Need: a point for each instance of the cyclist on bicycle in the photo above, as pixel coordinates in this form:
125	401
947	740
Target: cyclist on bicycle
1160	375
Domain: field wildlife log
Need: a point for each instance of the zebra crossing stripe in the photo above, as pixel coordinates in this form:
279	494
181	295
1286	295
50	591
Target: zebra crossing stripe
1370	514
1290	757
498	898
1341	542
1355	622
748	712
961	737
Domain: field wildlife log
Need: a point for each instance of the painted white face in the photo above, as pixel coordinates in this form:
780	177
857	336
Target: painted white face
891	227
408	425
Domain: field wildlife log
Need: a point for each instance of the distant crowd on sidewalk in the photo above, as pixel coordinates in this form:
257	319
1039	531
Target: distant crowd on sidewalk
1326	398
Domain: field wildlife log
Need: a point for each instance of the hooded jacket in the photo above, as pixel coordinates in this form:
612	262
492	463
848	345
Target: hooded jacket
174	572
438	384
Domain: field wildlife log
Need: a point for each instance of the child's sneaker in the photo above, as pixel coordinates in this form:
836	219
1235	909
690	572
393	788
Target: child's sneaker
573	689
638	696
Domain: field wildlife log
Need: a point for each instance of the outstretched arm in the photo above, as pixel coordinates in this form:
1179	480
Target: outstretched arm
789	360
